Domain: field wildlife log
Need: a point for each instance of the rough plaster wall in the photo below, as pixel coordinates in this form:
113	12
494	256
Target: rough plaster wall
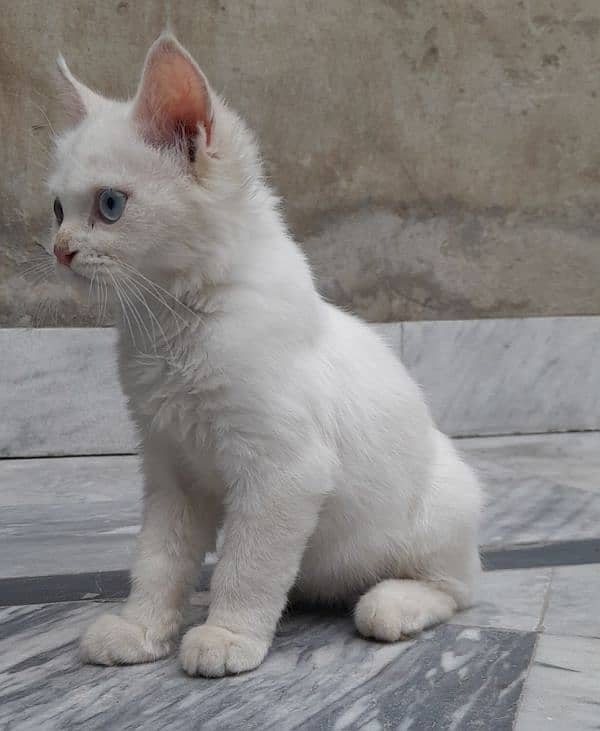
438	159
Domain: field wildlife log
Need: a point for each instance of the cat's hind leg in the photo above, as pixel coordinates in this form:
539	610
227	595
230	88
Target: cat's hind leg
446	563
395	609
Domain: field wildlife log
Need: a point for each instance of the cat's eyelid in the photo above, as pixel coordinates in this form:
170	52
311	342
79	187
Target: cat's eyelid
99	189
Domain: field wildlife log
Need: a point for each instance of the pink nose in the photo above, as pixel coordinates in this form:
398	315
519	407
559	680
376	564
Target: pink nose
63	256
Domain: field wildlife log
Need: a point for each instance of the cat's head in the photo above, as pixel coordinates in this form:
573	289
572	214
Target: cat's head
161	184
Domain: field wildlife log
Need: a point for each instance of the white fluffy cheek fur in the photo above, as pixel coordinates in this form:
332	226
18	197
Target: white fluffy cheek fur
261	408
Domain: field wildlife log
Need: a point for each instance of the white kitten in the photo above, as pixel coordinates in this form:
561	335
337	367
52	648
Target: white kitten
262	409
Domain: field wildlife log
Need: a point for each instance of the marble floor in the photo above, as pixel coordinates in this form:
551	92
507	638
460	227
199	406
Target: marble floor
527	656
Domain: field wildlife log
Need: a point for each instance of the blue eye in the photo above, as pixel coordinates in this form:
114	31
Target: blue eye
111	204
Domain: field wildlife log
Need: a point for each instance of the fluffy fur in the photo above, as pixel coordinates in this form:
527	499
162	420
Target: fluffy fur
262	409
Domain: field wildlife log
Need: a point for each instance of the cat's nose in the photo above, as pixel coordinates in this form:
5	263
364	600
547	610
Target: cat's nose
63	254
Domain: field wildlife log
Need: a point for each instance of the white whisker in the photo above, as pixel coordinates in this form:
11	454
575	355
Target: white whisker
123	308
135	291
156	286
135	314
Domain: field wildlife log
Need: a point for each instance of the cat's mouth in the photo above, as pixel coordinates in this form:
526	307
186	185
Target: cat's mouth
89	266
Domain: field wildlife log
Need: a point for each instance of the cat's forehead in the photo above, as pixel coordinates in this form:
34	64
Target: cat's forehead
103	151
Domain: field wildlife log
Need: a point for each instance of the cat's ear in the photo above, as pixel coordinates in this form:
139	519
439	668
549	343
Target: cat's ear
78	101
173	102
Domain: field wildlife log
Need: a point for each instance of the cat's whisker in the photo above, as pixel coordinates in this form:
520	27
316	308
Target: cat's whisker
136	316
158	287
38	243
39	278
98	300
43	113
34	271
178	319
37	282
35	262
134	289
101	297
134	293
123	308
156	294
32	266
133	318
161	301
39	143
138	319
40	313
97	295
41	254
91	286
99	318
105	304
37	259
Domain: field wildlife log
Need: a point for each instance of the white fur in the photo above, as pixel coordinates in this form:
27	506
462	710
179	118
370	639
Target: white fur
262	409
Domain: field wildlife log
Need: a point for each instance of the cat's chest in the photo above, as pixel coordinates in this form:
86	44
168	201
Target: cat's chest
172	395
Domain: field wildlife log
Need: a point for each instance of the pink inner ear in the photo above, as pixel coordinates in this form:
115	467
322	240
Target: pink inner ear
173	98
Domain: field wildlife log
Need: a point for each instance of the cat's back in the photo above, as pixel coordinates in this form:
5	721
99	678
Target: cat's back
367	367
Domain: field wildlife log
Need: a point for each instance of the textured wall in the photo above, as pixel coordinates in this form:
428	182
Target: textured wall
438	159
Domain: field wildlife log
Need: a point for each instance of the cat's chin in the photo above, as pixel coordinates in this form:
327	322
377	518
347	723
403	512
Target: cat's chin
76	275
86	271
75	280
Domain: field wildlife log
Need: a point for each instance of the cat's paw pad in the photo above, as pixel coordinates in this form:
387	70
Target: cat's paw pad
112	640
214	651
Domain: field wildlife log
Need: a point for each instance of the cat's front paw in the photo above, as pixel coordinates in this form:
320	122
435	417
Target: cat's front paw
214	651
112	640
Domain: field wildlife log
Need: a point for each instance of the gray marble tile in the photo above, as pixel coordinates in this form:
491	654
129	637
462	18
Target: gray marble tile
508	376
574	602
562	690
539	487
392	334
571	459
511	599
319	675
59	394
68	515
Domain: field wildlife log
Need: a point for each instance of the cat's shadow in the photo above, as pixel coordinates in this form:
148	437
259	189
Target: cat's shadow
299	615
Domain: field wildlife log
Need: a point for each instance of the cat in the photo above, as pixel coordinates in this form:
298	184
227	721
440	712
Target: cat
263	411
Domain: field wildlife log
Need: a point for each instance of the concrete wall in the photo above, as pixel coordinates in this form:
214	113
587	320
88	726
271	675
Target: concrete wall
438	159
